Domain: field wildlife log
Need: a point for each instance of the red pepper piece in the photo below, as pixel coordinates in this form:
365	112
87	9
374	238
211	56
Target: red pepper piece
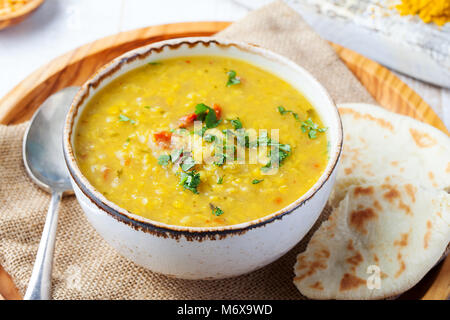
217	110
187	120
163	138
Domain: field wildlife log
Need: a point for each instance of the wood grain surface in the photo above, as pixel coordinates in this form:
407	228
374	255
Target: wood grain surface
75	67
20	14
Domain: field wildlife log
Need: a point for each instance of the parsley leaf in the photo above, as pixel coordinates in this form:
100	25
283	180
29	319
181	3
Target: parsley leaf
176	154
243	138
232	78
209	137
190	180
312	128
207	114
188	163
256	181
267	167
284	147
282	110
237	124
276	159
211	119
163	160
220	180
154	63
216	210
221	159
263	139
201	109
125	118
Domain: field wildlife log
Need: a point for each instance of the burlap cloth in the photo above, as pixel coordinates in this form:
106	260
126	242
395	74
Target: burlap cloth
85	267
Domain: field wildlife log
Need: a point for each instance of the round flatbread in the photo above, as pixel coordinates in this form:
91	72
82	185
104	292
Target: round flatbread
378	242
379	144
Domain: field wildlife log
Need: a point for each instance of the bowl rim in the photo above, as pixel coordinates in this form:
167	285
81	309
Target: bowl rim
151	226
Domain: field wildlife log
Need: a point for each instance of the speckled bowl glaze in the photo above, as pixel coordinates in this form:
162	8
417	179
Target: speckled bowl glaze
215	252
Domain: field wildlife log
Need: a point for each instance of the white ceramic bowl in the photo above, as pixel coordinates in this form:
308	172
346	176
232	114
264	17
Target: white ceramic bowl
202	252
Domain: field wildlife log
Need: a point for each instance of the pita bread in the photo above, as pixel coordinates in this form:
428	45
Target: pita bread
396	230
379	144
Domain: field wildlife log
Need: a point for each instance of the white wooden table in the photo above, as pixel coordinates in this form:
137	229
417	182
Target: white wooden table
61	25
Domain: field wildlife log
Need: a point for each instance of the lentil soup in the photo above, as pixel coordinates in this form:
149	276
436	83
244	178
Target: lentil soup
131	145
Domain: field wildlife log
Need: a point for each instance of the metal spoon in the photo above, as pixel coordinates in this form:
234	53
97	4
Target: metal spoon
44	162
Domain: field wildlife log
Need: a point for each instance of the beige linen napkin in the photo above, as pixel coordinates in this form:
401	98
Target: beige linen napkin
85	267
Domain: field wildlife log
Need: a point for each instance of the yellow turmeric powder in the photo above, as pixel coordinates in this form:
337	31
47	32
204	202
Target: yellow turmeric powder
437	11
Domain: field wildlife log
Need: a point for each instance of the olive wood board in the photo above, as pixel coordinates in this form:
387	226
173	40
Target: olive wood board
21	13
76	66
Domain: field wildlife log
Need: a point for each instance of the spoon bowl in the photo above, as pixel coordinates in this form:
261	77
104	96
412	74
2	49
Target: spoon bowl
44	162
42	144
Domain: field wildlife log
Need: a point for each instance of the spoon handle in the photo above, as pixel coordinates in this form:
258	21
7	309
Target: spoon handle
39	286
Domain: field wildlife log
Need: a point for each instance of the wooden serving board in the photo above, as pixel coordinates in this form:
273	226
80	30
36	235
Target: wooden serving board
20	14
75	67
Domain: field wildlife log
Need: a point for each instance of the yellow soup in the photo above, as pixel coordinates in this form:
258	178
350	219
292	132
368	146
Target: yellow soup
190	142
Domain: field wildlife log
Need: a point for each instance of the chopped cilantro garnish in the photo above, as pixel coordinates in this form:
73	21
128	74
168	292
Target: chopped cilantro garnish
312	134
232	78
190	180
267	167
125	118
163	160
147	107
312	128
284	147
243	138
216	210
209	137
154	63
176	154
221	159
201	109
220	180
307	125
188	163
282	110
207	114
284	150
211	119
263	139
256	181
237	124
